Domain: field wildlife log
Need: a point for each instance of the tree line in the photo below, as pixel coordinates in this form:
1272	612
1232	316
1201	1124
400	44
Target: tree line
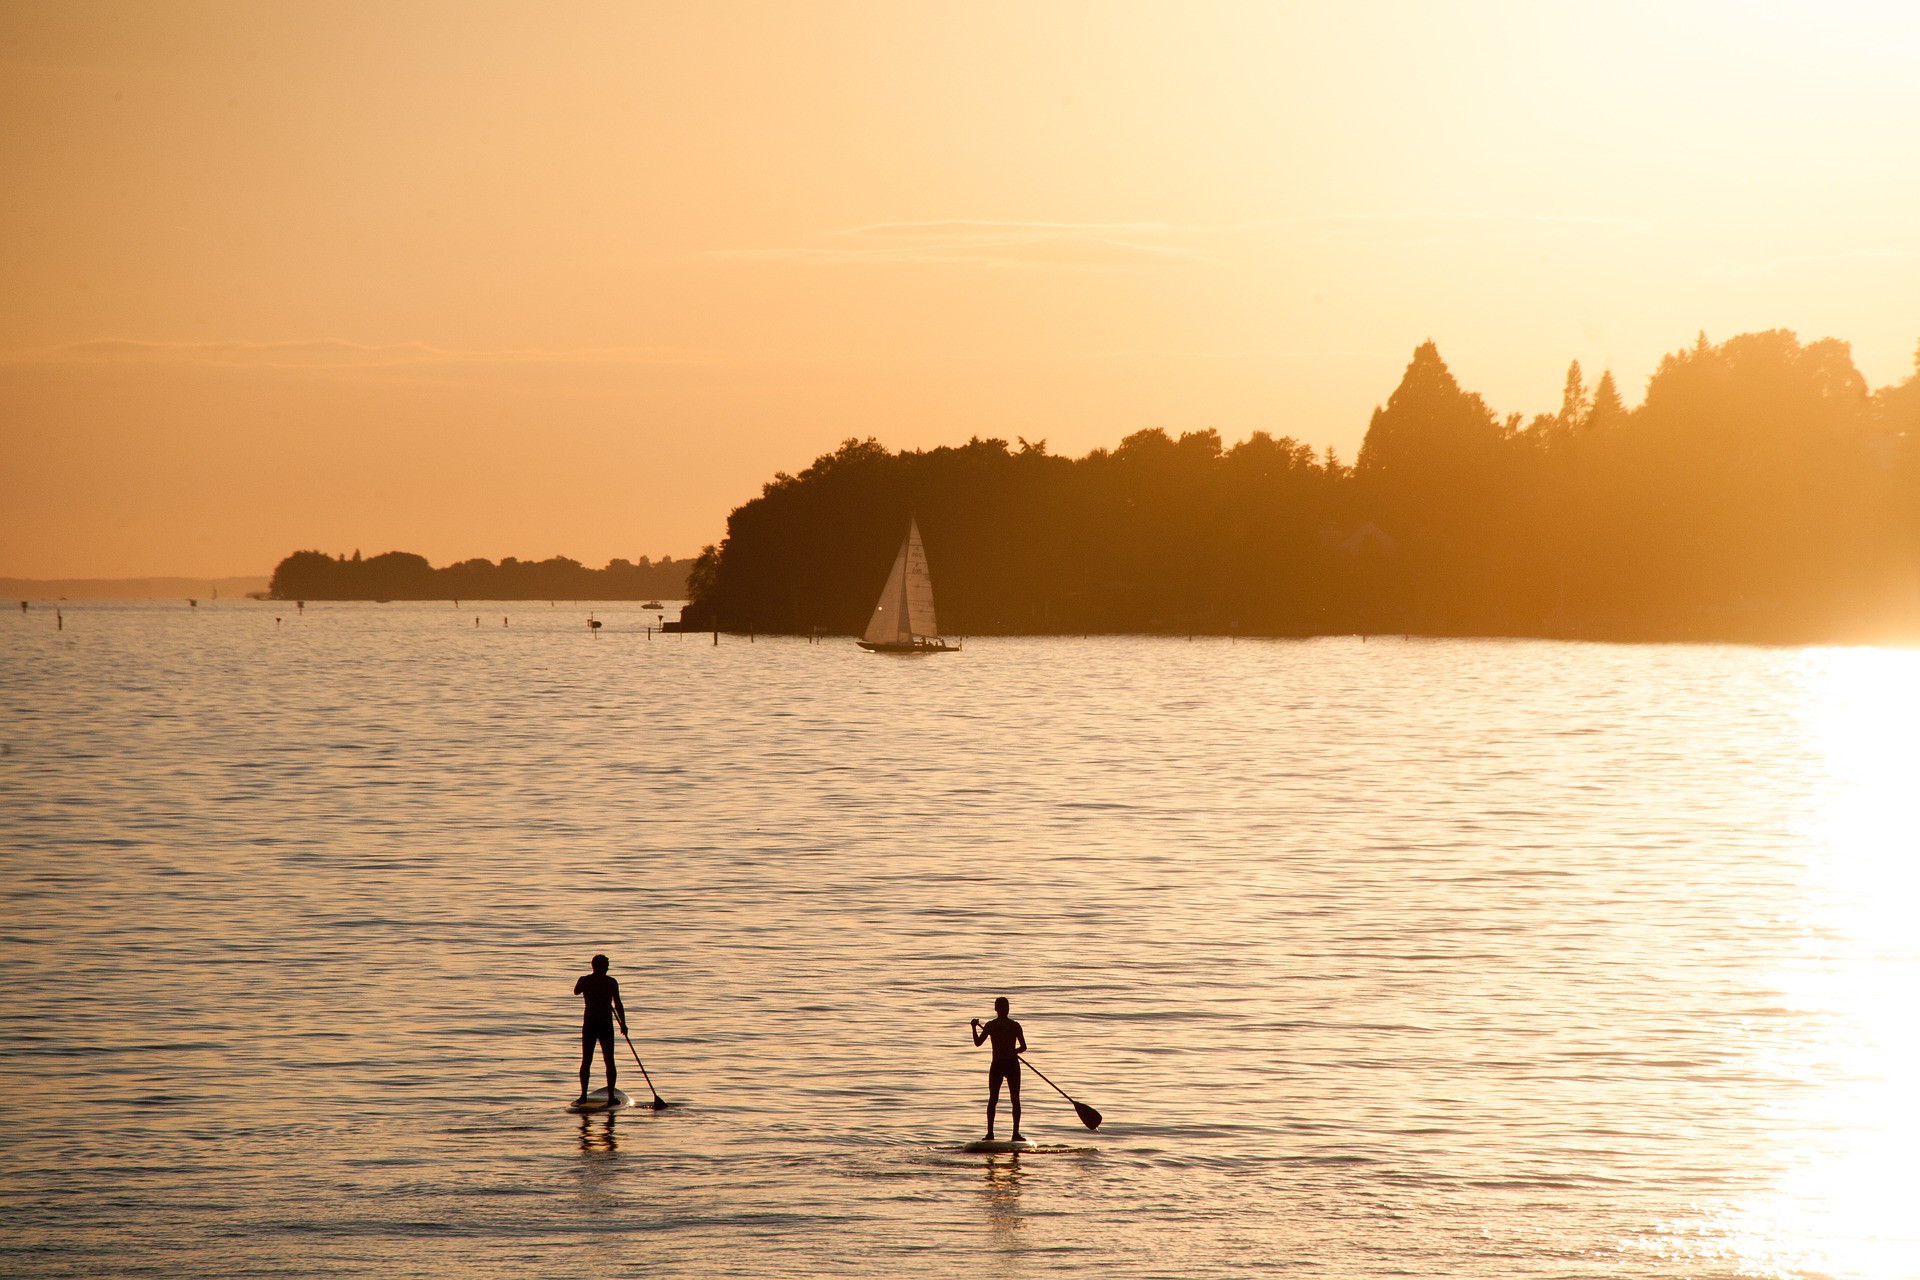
401	575
1759	492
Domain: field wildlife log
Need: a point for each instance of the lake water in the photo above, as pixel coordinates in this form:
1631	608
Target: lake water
1394	958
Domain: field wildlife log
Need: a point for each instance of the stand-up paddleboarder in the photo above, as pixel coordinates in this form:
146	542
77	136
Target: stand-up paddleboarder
603	1005
1009	1042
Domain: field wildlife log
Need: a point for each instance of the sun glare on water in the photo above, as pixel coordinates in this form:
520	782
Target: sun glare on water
1845	1201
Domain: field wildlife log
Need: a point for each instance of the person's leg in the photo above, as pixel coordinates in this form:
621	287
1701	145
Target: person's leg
586	1061
993	1100
613	1068
1013	1096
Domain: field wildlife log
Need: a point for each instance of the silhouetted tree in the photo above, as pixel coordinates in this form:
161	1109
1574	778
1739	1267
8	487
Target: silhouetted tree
1606	410
1440	474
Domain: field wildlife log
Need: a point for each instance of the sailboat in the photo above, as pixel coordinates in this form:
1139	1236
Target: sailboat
903	620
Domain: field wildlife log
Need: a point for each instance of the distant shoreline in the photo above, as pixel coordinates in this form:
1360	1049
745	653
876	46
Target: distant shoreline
402	575
129	588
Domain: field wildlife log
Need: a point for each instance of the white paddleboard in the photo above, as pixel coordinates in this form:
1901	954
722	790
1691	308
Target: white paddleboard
1002	1146
598	1100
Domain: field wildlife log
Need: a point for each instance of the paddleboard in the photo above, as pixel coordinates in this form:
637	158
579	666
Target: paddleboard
1002	1146
599	1101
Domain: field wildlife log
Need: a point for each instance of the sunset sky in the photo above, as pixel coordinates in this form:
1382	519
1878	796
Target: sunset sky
487	280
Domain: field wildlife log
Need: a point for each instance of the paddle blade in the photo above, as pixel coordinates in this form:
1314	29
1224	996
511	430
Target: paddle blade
1088	1116
659	1103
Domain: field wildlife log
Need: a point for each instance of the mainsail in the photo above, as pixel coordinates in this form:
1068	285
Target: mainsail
905	609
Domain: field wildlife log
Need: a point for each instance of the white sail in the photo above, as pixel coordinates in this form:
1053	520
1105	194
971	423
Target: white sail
920	619
888	625
905	609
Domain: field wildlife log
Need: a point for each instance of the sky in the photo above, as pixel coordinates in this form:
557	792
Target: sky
577	278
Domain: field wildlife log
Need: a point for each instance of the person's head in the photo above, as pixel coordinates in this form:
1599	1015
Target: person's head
599	964
1000	1006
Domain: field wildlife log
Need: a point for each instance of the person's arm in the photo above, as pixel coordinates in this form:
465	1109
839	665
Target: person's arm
1020	1034
619	1010
979	1034
577	984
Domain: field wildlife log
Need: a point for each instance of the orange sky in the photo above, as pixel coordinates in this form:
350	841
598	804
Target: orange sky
471	279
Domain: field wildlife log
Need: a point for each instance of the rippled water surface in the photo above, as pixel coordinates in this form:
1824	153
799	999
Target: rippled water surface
1488	959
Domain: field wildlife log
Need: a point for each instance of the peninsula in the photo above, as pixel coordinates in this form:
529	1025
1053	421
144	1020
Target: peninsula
1760	492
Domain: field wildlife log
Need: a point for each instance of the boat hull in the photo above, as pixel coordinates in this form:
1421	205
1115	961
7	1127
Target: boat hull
917	646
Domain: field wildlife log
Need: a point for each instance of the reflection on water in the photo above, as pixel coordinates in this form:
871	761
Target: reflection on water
1430	959
597	1136
1000	1193
1843	1202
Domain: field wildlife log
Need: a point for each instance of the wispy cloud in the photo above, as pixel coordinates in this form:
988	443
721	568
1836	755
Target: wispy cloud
958	241
1847	257
991	229
330	353
1432	218
1117	245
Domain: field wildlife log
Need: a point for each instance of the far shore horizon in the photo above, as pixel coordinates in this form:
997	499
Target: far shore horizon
158	587
183	585
195	589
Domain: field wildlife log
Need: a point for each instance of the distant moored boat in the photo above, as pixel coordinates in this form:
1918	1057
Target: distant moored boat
903	620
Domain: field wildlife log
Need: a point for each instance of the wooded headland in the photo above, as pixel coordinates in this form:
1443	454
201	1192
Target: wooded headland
1760	492
401	575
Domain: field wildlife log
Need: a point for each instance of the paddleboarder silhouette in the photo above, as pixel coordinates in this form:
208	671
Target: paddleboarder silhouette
1009	1042
603	1005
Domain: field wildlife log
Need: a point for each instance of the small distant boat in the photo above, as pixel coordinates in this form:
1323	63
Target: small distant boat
903	620
653	604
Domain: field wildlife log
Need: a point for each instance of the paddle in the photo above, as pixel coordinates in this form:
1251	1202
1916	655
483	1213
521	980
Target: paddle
658	1105
1088	1116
